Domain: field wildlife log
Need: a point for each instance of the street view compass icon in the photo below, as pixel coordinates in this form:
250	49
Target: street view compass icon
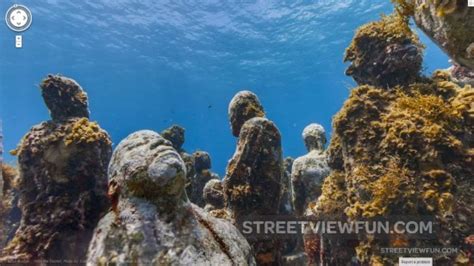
18	18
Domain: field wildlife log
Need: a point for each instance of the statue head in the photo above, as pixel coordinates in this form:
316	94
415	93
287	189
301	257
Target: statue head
145	165
314	137
64	98
244	106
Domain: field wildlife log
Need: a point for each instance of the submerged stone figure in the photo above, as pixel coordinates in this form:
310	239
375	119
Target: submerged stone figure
202	166
400	151
152	221
62	179
10	213
213	195
252	184
175	134
310	170
448	23
286	202
392	60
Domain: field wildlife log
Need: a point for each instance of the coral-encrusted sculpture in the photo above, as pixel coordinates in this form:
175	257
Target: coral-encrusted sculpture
448	23
252	184
310	170
10	213
202	166
403	151
62	179
385	53
152	221
244	106
213	195
175	134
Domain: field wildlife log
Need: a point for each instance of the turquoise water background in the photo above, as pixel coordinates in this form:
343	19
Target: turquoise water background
150	64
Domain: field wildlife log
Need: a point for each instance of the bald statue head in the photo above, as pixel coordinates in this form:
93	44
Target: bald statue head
314	137
244	106
145	165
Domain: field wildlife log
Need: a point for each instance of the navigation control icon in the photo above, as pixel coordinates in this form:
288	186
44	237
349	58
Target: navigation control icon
18	18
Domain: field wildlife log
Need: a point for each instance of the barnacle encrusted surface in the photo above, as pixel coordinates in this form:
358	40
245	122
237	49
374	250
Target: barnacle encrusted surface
153	222
385	53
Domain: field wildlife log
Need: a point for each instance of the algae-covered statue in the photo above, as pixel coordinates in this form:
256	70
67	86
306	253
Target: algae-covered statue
202	166
176	135
310	170
213	195
252	184
62	179
385	54
152	220
399	150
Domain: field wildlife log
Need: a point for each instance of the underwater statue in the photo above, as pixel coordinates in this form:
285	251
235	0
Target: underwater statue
394	59
252	185
152	220
310	170
202	166
448	23
10	213
213	195
286	202
62	179
175	134
399	151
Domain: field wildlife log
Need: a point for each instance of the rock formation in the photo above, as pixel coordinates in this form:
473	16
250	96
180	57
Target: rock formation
400	151
310	170
213	195
252	184
448	23
152	221
62	179
202	166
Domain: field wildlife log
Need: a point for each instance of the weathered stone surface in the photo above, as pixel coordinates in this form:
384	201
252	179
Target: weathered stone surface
62	179
310	170
385	53
252	185
448	23
243	106
213	195
202	165
152	221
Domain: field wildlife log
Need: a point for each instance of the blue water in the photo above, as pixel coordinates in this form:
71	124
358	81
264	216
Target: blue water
149	64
